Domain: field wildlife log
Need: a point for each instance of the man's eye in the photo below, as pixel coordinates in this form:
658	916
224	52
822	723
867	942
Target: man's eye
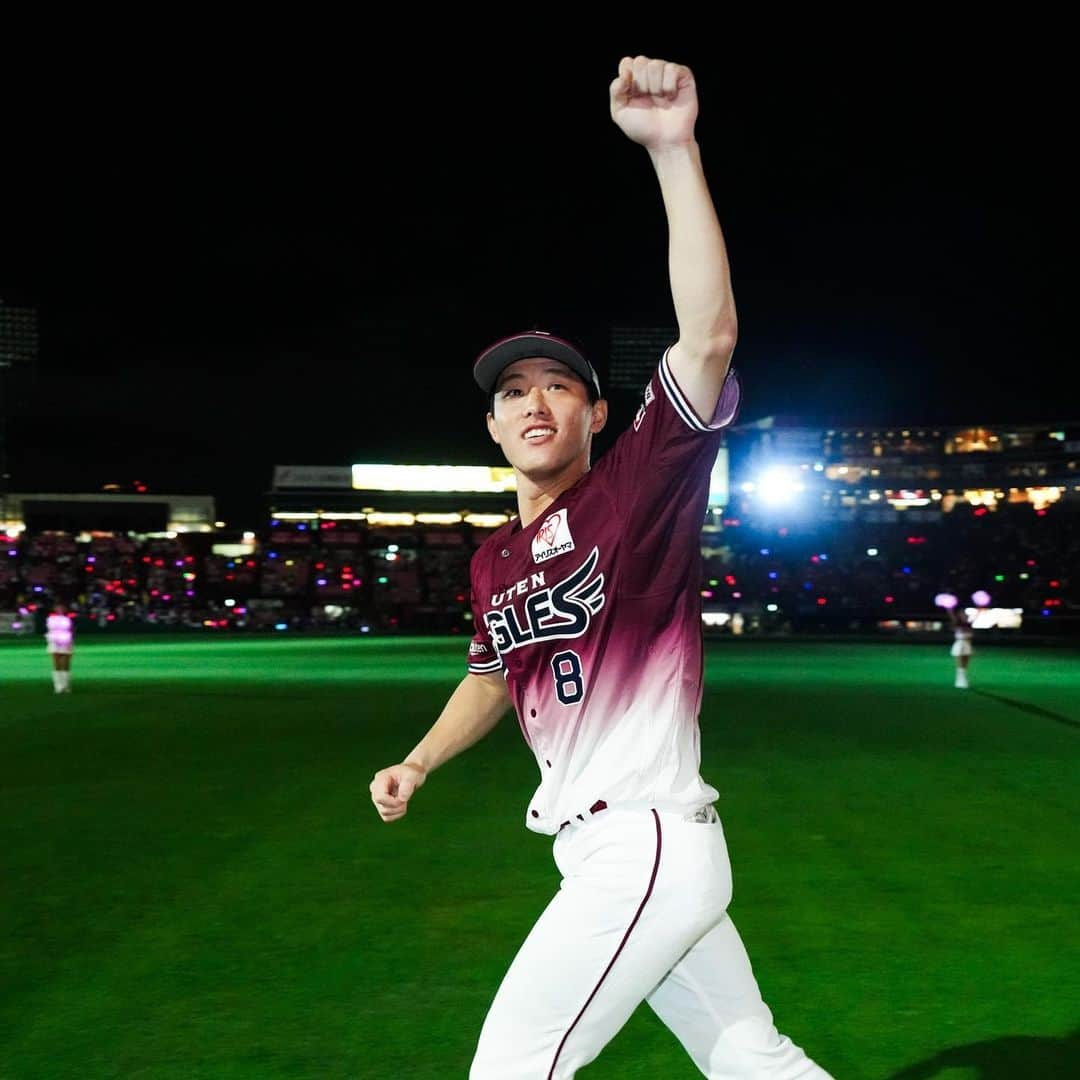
510	391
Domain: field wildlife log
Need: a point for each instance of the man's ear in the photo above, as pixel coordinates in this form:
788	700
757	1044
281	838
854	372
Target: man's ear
493	431
599	417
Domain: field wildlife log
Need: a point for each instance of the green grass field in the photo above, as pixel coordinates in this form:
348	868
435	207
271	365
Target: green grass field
193	882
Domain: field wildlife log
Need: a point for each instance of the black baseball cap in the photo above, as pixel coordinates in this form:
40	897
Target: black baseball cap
526	345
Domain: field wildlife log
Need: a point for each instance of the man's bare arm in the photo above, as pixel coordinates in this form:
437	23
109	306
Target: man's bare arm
655	104
700	280
473	709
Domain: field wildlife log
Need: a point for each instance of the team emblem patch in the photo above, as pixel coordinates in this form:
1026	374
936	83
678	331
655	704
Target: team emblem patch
649	397
552	538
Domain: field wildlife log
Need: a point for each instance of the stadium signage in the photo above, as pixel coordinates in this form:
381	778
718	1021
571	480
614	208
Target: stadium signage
312	476
429	478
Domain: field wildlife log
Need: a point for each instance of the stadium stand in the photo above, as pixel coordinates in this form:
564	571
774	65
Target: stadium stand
799	577
832	530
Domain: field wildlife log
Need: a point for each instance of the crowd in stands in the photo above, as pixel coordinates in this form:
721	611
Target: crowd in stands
346	576
859	574
297	576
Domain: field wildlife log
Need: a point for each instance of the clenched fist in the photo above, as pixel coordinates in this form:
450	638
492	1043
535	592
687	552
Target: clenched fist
654	102
392	788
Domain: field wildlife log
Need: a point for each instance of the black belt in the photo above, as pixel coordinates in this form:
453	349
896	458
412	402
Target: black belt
594	809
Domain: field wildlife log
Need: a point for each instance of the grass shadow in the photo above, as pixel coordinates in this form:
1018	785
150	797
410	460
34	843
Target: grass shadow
1009	1058
1033	710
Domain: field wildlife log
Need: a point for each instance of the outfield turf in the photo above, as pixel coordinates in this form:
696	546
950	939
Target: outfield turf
193	882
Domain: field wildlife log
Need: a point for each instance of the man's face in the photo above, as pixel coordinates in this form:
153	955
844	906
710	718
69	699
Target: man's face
542	417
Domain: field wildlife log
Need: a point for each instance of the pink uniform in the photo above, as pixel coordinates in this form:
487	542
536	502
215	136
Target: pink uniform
59	635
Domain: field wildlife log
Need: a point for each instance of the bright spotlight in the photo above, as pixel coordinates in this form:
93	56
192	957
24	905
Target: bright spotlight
945	600
779	485
980	598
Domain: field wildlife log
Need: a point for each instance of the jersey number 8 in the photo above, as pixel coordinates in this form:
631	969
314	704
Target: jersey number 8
569	684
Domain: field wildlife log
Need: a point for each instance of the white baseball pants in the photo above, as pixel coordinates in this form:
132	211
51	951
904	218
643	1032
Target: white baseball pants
640	914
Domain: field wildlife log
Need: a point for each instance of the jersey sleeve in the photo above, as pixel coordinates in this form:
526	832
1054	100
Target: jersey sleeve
483	657
668	450
658	475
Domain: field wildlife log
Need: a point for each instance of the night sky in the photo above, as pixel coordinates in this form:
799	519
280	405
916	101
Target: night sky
241	261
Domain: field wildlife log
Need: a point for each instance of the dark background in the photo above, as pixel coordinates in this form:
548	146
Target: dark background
269	250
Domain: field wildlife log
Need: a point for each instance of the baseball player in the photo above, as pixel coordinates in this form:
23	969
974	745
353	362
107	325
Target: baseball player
60	644
588	620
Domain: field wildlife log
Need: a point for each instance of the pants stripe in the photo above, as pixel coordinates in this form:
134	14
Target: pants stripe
626	937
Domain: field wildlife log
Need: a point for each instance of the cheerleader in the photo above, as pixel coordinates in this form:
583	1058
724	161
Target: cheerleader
60	641
961	649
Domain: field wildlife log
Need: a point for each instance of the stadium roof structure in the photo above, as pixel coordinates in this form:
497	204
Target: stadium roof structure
106	512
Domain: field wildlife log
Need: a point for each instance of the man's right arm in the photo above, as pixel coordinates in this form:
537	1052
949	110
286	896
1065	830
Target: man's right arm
474	708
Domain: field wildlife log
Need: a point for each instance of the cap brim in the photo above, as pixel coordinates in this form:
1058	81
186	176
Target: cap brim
491	362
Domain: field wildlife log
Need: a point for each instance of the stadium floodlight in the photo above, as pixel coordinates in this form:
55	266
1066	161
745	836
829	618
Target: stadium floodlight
980	598
777	486
945	600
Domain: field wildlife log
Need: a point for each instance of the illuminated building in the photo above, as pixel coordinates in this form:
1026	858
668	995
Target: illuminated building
873	474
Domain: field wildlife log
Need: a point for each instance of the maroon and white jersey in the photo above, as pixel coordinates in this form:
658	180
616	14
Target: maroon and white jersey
593	614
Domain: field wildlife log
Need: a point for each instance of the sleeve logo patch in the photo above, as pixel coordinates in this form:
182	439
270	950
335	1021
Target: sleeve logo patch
650	397
552	538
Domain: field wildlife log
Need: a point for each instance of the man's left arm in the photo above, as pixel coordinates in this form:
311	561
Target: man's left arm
655	104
